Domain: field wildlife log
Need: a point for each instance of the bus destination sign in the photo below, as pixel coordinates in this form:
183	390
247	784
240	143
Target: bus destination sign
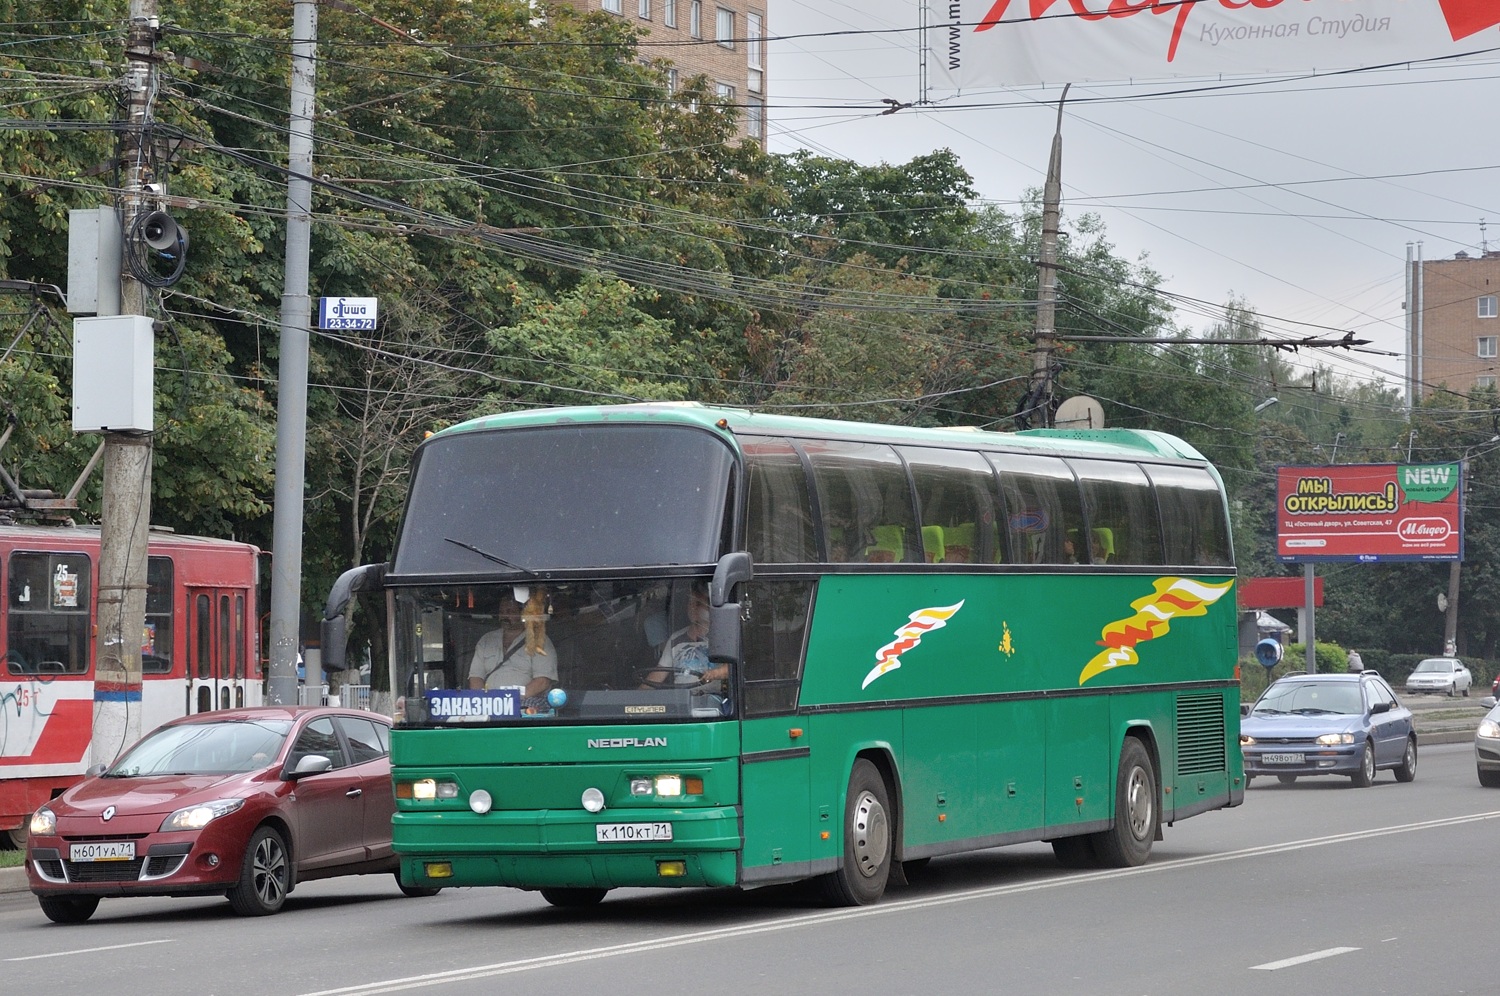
1369	512
352	314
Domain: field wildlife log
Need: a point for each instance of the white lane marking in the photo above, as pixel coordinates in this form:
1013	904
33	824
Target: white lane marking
1272	966
79	951
885	909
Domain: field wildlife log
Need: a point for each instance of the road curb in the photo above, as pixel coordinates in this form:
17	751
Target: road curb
13	880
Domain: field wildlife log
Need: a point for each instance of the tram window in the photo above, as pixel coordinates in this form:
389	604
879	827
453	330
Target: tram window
203	645
1043	513
957	502
865	502
779	527
1122	517
48	597
1197	530
156	643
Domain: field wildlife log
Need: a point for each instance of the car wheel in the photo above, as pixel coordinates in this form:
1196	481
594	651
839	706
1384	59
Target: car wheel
1466	691
1137	811
574	898
1366	773
415	891
68	909
1407	769
265	875
1489	778
1287	779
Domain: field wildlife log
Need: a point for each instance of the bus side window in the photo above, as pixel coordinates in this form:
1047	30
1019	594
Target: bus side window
778	528
862	486
1124	523
774	637
955	491
1193	508
1042	506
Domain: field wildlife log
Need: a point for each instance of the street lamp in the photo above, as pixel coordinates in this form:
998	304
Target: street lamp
1264	405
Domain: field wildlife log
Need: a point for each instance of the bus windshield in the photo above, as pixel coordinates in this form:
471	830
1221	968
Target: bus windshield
598	651
570	496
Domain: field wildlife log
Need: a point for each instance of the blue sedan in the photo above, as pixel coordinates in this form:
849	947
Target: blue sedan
1328	724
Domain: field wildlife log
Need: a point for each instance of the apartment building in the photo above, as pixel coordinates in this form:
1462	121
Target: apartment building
1452	323
723	40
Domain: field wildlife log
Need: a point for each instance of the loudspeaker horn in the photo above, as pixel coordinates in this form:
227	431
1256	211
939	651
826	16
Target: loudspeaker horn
160	231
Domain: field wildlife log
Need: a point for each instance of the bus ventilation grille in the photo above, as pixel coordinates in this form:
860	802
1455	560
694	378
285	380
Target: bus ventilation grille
1200	734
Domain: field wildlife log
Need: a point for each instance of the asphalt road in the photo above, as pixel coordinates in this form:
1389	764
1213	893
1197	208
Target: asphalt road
1314	887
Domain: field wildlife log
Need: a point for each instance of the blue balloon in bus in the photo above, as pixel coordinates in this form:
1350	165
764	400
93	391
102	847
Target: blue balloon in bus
557	698
1268	652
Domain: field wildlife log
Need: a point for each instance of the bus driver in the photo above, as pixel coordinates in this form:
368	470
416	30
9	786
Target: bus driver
505	658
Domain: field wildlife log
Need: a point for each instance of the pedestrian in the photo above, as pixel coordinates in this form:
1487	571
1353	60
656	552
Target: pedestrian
1356	665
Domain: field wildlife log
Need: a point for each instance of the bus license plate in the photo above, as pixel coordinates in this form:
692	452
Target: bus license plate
1282	758
626	833
105	850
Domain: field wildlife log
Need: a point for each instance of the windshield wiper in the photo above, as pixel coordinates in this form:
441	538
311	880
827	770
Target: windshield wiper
1268	711
491	557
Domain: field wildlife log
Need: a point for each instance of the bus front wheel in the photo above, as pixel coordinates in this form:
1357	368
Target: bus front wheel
866	867
1137	807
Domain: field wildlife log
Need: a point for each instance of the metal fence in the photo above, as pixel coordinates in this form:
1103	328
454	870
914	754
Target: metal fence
353	696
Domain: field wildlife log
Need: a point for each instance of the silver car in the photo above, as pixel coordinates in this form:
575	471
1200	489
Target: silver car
1445	675
1487	749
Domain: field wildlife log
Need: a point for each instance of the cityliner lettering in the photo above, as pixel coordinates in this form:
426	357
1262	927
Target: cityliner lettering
627	741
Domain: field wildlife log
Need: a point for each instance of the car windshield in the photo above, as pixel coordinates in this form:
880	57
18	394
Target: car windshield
1441	667
1310	698
217	748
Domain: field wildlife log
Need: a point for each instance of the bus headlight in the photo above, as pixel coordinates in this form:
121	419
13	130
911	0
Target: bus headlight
480	801
593	800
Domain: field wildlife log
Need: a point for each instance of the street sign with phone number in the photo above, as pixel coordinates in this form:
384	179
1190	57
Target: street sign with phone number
357	314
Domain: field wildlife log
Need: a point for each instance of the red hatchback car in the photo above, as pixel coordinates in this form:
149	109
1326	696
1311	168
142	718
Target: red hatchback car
242	802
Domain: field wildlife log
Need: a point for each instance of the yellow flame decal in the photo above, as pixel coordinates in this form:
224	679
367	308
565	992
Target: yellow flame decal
921	622
1174	598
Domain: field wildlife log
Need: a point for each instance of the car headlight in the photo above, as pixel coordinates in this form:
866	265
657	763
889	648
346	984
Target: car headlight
200	816
1334	739
1488	729
1246	740
44	822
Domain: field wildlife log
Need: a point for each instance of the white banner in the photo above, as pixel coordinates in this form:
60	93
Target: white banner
981	43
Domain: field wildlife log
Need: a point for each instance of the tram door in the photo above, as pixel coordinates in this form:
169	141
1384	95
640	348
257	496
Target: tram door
216	649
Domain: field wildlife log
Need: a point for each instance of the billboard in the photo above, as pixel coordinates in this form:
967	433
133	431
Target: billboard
984	43
1369	512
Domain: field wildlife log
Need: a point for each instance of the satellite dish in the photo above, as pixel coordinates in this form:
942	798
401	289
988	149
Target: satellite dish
1079	412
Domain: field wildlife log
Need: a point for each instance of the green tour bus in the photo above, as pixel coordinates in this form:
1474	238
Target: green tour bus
674	645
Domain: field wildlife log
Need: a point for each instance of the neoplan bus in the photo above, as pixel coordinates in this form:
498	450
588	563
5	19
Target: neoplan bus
936	641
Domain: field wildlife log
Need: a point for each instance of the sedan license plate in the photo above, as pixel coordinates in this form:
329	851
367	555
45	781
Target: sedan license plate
626	833
1282	758
104	850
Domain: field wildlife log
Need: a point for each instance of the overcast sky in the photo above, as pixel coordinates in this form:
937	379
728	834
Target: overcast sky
1298	196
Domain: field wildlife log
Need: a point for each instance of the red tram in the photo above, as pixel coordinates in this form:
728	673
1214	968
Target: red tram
199	650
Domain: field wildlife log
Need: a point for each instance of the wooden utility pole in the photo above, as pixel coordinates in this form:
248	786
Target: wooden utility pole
1039	399
126	514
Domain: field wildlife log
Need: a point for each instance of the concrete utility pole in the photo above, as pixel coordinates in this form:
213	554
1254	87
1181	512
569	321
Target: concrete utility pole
1040	397
125	521
291	407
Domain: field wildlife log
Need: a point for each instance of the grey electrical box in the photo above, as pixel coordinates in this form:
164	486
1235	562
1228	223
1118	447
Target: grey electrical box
94	261
113	382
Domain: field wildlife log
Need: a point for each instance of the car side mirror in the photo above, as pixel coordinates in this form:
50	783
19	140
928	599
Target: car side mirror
312	764
95	770
1245	708
1380	707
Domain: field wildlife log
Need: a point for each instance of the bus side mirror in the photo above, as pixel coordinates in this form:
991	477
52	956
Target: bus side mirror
725	628
335	628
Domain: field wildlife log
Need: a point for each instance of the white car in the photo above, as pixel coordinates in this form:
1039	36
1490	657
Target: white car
1440	674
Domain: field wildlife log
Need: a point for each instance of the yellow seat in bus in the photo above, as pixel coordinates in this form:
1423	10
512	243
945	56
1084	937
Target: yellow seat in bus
1104	544
958	543
889	546
932	544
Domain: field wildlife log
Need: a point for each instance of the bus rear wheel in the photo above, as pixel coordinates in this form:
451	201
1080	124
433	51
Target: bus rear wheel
1137	811
574	898
866	867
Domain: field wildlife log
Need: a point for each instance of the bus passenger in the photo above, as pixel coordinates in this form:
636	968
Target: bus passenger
502	658
684	659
